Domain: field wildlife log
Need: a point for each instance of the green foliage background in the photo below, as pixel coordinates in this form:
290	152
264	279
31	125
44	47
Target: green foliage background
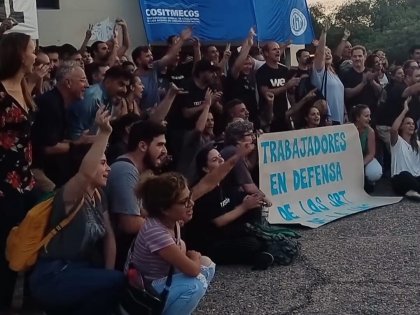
389	25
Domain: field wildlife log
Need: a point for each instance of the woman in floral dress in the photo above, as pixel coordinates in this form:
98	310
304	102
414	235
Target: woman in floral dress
17	56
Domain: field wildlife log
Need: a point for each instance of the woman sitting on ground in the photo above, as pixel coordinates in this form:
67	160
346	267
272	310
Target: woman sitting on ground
217	228
405	157
360	116
74	275
167	200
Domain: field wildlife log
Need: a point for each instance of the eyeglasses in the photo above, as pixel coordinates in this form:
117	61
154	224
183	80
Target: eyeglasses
187	202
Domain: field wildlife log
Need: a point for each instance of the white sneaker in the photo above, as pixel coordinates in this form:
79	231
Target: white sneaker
413	195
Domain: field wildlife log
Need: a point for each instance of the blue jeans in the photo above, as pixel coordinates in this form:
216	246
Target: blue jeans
185	292
64	287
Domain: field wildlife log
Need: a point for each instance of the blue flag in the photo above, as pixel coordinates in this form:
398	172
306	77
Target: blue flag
228	20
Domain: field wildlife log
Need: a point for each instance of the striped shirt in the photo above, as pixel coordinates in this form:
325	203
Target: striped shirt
152	237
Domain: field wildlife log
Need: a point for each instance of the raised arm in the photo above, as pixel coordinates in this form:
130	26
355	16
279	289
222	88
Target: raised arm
223	64
246	46
197	49
114	52
319	60
212	179
161	111
126	41
200	125
340	48
174	50
88	36
398	121
76	187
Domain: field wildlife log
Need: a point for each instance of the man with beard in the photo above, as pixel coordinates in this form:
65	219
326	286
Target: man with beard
361	85
148	70
100	52
82	114
146	152
50	139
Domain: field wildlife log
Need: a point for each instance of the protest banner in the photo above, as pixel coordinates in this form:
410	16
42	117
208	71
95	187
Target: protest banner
103	30
314	176
228	20
25	14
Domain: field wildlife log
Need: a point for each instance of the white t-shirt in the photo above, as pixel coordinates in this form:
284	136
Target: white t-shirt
404	158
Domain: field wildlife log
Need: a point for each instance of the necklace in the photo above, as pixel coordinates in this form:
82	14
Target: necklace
90	199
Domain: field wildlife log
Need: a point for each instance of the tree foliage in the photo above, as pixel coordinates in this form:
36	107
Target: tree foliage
389	25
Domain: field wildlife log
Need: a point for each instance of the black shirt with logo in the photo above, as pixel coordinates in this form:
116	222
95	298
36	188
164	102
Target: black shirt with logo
201	232
194	98
274	78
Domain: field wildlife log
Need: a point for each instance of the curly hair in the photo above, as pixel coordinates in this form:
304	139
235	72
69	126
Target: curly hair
158	193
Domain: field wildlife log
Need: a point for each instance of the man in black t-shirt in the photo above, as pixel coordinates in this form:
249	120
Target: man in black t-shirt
240	81
361	86
50	137
188	107
303	72
272	77
396	93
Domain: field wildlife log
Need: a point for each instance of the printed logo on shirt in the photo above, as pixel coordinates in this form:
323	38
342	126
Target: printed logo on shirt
197	103
225	202
177	77
278	82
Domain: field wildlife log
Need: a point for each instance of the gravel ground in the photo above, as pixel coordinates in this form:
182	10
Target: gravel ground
367	263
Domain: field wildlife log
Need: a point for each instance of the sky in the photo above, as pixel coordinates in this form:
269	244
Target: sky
327	3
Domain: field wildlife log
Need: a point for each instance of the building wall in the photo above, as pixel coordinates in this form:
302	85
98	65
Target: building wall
69	24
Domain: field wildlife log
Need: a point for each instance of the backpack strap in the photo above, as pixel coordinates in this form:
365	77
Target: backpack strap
65	222
124	159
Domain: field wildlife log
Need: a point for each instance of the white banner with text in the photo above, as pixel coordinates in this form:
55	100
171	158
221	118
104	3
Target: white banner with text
314	176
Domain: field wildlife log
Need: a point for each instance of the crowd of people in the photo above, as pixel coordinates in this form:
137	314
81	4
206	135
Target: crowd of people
159	155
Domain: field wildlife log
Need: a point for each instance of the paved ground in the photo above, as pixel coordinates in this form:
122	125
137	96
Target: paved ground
364	264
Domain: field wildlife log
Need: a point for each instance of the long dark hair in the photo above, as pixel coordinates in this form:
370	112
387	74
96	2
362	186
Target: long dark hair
12	47
413	139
